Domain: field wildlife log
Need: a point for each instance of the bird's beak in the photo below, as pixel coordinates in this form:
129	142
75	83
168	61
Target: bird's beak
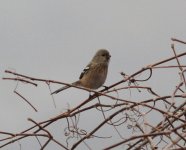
108	57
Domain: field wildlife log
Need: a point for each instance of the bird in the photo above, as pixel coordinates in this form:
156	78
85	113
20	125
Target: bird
94	74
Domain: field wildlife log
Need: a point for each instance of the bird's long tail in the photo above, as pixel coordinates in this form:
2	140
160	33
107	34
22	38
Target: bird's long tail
61	89
65	87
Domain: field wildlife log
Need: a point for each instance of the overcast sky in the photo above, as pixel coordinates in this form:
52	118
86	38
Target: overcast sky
55	39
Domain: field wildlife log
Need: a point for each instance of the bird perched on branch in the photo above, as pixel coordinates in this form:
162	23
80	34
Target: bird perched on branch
95	73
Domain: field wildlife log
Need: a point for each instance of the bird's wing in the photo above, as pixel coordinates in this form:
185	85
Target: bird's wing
87	68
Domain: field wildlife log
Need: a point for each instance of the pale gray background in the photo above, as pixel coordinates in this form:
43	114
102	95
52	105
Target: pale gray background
55	39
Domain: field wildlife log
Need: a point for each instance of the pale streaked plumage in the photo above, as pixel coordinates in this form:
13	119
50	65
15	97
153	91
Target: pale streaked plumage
95	73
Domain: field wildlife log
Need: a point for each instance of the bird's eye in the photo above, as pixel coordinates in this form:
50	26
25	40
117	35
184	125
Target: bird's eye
103	54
